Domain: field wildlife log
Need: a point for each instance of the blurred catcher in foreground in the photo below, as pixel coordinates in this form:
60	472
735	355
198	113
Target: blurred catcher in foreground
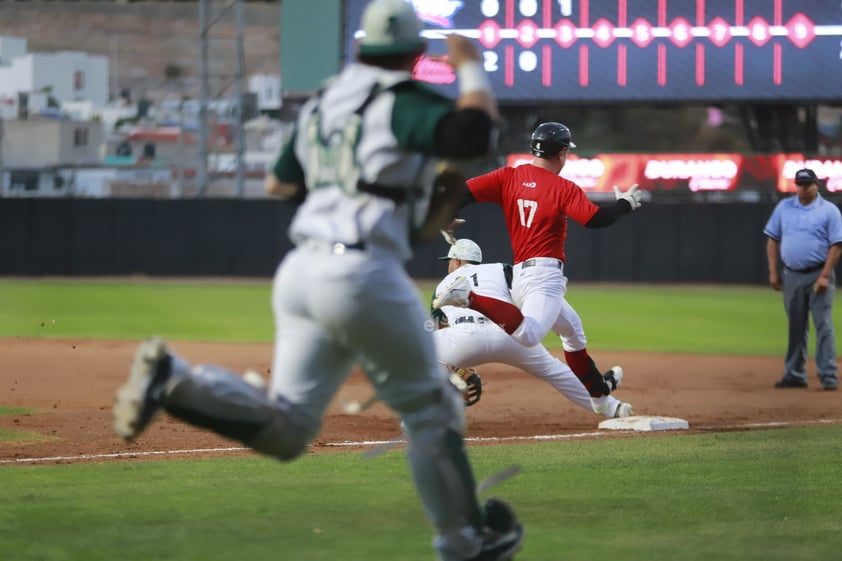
361	162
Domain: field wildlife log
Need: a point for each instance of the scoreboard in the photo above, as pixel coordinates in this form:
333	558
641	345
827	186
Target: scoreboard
640	51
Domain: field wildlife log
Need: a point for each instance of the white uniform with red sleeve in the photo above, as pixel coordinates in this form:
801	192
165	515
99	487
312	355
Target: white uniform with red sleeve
472	339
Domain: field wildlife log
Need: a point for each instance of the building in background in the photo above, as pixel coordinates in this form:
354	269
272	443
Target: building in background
11	48
64	75
43	142
267	88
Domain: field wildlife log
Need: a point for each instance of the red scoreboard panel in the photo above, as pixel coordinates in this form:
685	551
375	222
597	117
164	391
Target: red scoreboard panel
615	51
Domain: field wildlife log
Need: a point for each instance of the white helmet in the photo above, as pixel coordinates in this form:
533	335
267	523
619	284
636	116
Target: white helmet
465	250
391	28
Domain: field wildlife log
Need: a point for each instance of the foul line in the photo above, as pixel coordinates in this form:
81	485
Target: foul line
117	455
574	436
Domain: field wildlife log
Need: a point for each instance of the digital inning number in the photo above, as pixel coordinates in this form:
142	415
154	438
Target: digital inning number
490	35
720	32
526	209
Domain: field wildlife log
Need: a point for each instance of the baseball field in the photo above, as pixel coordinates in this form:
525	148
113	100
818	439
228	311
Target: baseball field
756	477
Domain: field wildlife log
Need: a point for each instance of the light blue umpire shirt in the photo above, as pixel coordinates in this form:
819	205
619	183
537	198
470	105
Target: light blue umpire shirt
805	232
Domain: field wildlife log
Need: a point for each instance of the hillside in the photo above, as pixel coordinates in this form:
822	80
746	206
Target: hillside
142	38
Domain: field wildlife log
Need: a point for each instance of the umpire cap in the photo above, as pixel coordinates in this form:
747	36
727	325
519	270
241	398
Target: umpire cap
466	250
806	176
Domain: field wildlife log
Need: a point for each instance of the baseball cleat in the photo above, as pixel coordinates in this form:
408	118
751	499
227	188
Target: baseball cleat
623	410
614	377
139	400
791	382
457	294
503	533
502	547
254	379
601	405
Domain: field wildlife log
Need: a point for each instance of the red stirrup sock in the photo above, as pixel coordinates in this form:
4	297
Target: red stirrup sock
502	313
585	369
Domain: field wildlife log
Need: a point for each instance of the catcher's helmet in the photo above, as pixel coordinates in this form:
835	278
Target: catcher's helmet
549	139
391	28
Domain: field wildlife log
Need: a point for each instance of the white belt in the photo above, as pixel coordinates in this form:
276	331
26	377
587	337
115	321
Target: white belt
541	262
337	248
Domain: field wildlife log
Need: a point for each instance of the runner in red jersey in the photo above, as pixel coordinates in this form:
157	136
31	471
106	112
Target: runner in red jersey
536	203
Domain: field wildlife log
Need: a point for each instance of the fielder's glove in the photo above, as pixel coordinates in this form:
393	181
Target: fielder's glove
632	196
449	192
467	381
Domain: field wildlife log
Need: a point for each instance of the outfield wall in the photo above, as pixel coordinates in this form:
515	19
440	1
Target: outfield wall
693	242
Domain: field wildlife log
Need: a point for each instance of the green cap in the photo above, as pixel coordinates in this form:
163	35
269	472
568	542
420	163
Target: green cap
391	28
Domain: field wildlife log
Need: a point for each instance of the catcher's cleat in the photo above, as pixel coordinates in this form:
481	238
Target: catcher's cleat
503	533
139	400
254	379
457	294
614	377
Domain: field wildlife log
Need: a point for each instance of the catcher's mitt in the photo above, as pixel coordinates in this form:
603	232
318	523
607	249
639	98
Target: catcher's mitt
449	192
468	381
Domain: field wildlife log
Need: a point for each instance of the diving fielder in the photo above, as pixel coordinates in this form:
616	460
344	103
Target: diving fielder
472	339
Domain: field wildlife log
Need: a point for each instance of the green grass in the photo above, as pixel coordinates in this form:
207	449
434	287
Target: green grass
749	496
743	496
693	319
690	319
4	411
234	312
15	435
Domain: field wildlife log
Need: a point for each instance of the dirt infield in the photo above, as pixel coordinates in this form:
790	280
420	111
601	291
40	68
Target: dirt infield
71	384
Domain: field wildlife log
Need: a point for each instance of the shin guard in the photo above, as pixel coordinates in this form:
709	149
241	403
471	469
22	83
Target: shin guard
443	475
215	399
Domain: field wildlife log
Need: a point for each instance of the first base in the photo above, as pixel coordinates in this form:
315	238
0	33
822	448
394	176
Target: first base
644	423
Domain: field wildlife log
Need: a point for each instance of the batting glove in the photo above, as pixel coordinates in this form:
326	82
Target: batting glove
632	196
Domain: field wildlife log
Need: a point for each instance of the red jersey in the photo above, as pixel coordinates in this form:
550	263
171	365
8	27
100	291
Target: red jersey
536	204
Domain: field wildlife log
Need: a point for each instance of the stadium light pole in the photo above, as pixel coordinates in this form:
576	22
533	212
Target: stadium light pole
211	12
239	140
202	165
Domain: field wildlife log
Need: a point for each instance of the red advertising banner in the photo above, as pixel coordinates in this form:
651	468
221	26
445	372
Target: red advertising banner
829	171
688	174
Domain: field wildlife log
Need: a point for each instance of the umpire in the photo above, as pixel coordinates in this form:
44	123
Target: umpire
806	231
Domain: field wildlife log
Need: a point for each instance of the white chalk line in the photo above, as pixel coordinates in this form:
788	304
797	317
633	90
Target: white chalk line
119	455
361	443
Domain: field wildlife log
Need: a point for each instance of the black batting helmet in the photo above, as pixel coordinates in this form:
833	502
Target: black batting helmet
549	139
